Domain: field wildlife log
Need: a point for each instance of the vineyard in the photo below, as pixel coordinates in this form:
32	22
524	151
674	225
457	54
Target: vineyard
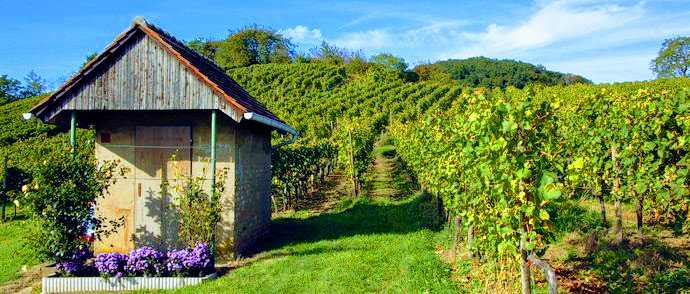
506	163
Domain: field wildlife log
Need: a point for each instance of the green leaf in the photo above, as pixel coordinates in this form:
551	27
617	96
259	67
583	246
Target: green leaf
529	246
577	163
552	192
543	214
506	126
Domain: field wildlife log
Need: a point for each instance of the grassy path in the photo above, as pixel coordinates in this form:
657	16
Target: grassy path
367	245
383	169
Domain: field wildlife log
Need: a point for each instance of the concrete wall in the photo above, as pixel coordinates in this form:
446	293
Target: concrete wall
253	198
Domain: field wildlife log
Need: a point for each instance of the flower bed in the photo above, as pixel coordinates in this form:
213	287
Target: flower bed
143	268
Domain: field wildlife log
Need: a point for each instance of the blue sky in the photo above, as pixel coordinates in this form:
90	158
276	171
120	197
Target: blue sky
605	41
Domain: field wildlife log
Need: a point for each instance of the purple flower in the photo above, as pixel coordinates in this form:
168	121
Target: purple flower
72	264
201	257
176	261
145	261
83	253
69	268
186	262
111	264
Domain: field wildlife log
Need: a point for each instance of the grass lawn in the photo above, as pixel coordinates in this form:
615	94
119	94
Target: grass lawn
365	246
13	252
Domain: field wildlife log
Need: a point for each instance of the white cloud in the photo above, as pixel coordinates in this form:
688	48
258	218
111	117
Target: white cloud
377	39
436	31
432	33
554	22
303	34
605	41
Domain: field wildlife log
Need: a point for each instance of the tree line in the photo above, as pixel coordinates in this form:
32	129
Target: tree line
262	45
12	89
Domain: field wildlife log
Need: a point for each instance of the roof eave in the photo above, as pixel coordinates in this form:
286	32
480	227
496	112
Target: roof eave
152	32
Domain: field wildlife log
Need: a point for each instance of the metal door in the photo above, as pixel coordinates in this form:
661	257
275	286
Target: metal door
162	154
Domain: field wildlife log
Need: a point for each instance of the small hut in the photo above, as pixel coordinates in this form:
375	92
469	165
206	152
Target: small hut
164	112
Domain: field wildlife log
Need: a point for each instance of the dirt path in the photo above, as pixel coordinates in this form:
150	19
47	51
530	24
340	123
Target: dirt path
334	189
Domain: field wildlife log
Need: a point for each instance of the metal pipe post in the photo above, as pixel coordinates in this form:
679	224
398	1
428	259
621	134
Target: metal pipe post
213	177
73	132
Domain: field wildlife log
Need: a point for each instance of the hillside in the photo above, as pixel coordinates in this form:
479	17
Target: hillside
483	152
23	142
487	72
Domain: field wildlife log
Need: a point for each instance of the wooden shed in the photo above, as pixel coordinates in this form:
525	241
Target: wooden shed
164	111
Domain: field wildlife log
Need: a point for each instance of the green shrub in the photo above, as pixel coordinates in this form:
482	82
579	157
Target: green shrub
61	202
198	213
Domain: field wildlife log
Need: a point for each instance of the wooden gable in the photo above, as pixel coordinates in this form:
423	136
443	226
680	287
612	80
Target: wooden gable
147	69
143	76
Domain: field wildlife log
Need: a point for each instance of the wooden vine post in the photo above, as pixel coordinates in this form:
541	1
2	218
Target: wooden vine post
548	271
353	175
526	276
602	207
640	206
457	229
618	228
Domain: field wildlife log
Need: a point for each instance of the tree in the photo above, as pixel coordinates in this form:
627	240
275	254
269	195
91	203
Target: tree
206	48
9	89
389	61
487	72
254	45
331	54
673	59
34	85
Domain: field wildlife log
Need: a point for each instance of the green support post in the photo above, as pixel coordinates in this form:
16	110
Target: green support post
213	151
213	177
4	189
73	132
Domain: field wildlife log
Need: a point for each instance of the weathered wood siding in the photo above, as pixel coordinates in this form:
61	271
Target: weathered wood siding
144	76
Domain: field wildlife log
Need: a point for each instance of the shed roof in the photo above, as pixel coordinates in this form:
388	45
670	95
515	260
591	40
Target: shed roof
206	70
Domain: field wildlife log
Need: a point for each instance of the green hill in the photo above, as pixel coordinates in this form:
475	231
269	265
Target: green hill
487	72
